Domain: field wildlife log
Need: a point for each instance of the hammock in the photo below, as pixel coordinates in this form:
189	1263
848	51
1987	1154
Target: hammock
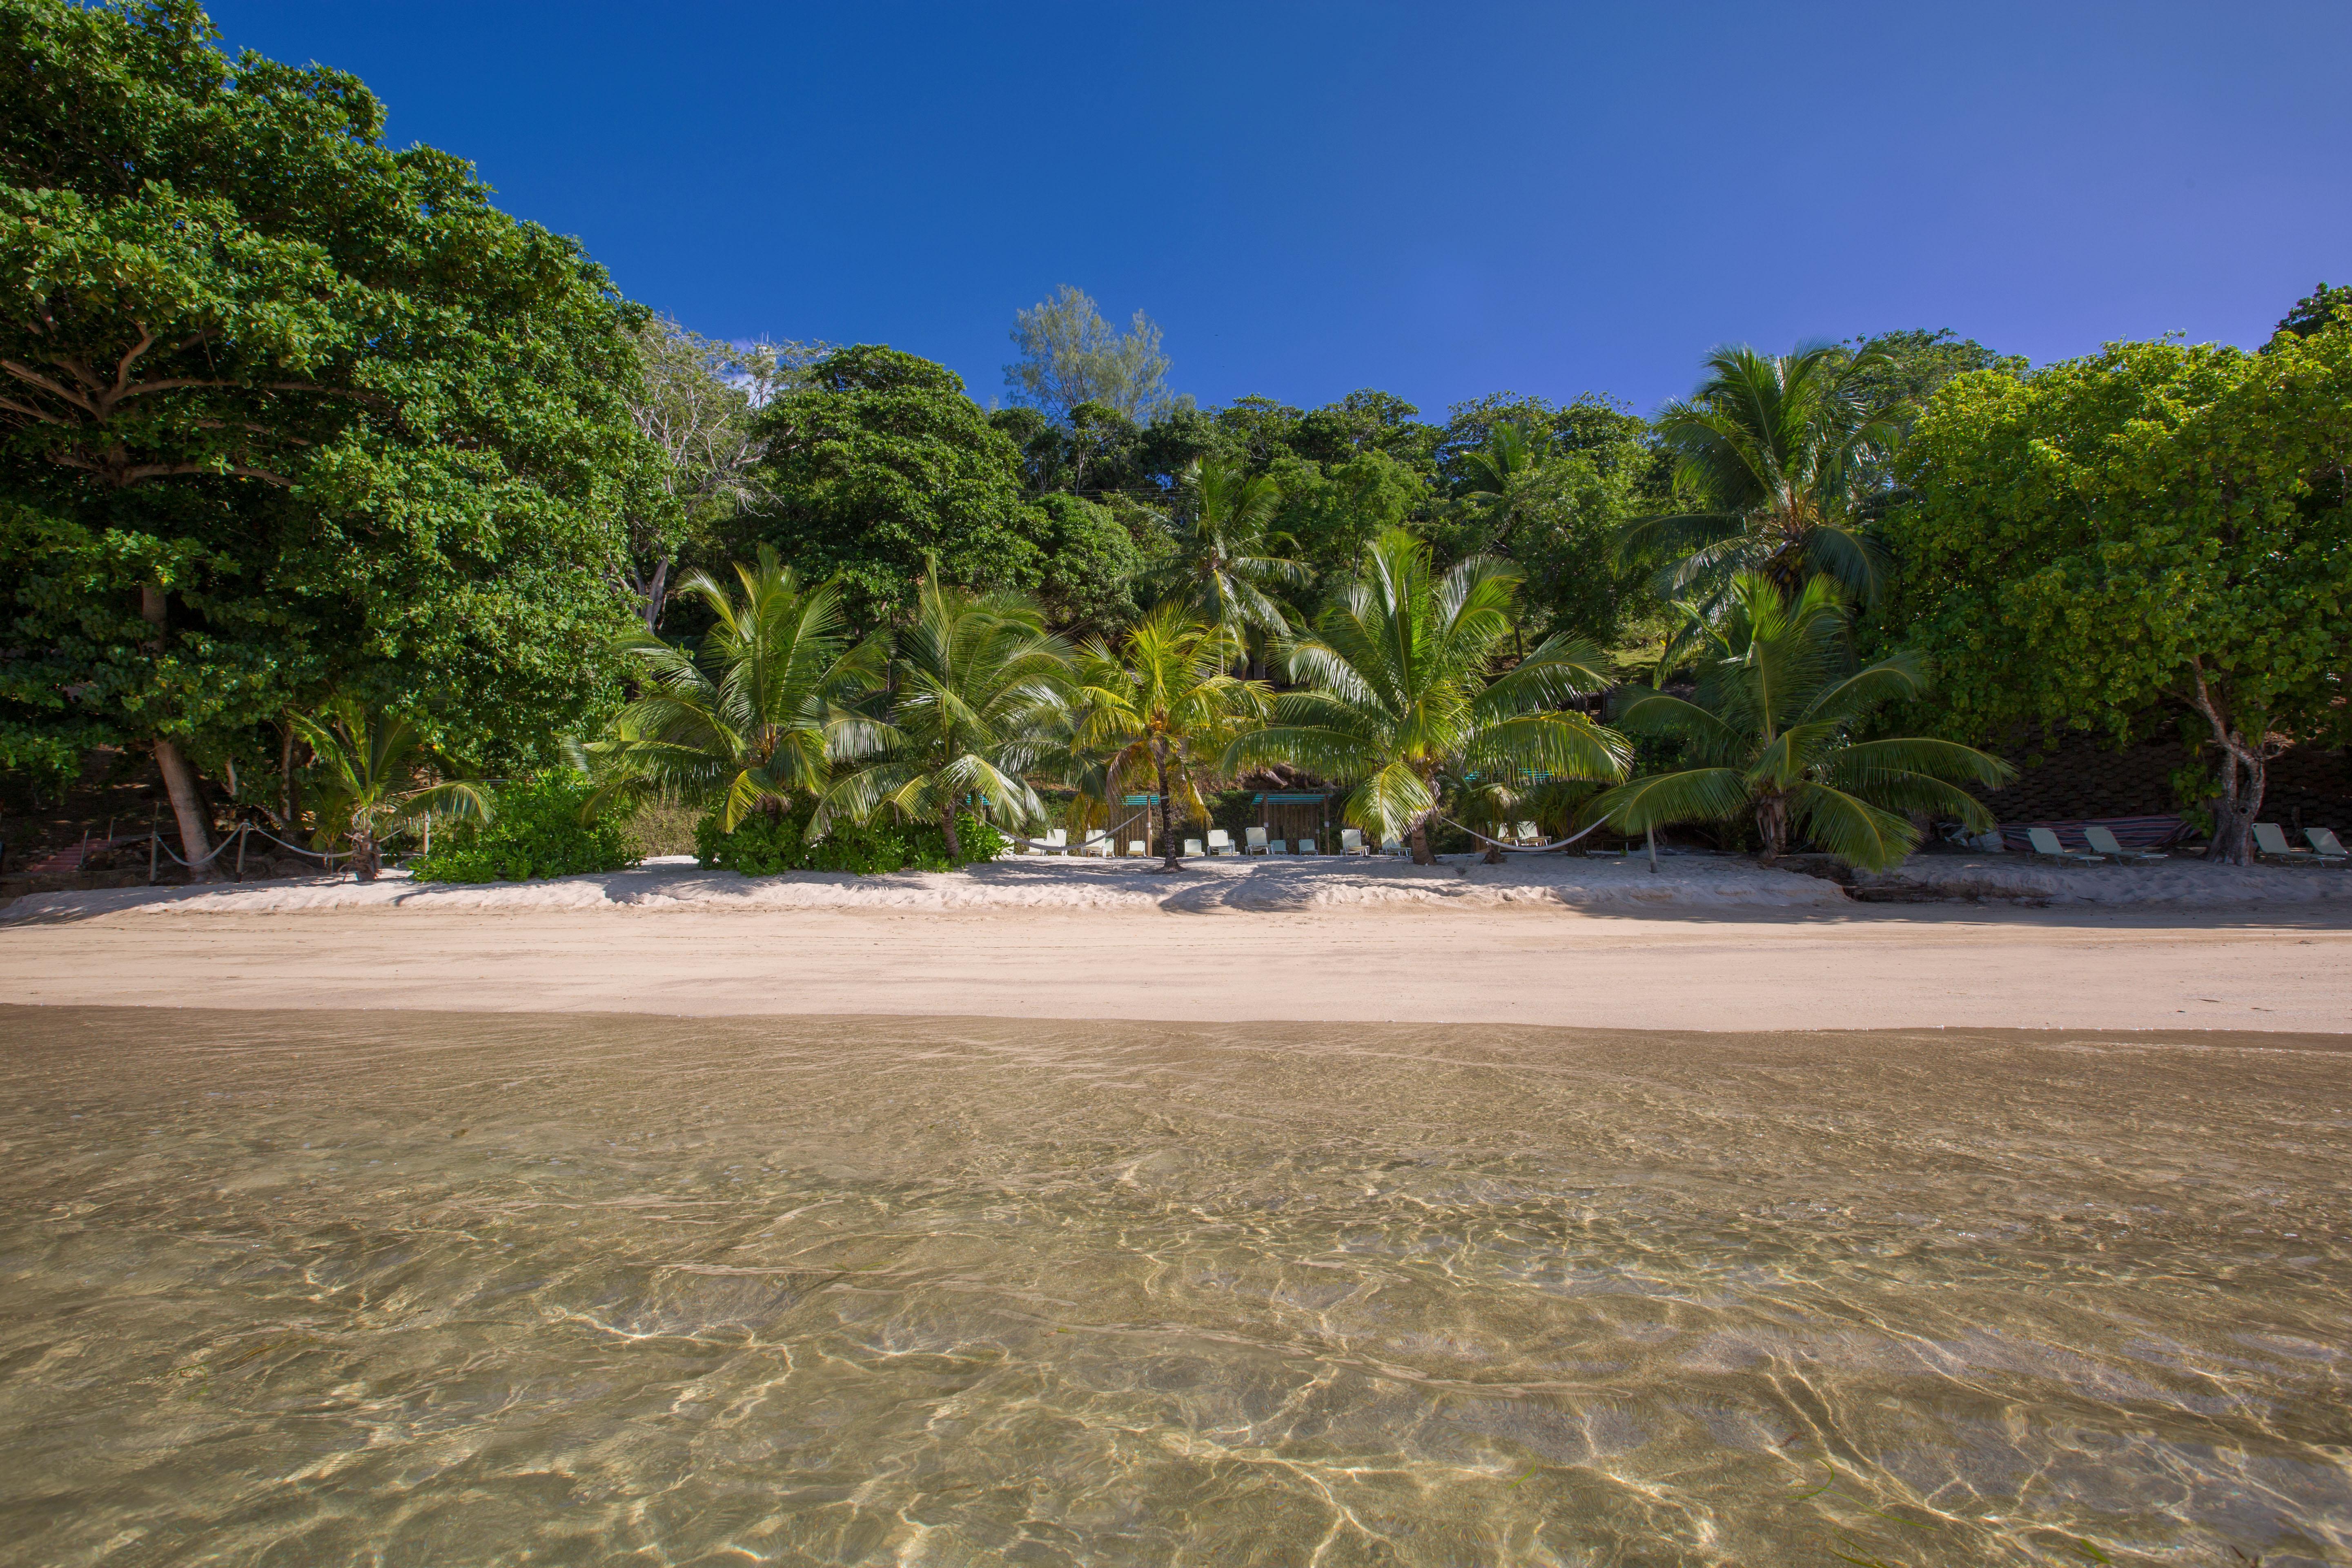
1522	848
1111	832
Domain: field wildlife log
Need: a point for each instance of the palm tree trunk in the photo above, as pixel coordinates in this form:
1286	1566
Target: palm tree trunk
1421	855
1772	826
1167	823
947	827
365	861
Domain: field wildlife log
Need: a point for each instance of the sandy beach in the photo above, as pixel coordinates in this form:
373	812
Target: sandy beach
1706	945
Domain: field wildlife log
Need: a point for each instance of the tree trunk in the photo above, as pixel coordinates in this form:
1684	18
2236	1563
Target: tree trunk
179	778
947	827
1168	862
365	861
1422	854
657	598
1772	827
2241	804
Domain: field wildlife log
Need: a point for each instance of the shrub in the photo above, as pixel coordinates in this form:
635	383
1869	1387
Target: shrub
536	831
763	846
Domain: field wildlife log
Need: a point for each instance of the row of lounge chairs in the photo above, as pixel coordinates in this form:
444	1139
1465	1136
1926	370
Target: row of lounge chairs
1254	841
2269	843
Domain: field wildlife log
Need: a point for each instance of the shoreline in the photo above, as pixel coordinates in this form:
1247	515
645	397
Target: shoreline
1859	966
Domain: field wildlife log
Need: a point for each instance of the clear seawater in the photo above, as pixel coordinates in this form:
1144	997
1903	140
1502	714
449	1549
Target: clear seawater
287	1287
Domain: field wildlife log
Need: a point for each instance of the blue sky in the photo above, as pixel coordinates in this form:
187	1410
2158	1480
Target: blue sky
1439	201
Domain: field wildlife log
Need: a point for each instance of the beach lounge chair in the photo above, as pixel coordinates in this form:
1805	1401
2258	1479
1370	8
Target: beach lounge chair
1138	846
2325	844
1528	834
1253	840
1098	848
2046	846
1350	841
2270	844
1193	846
2104	841
1056	841
1306	847
1391	846
1278	847
1220	842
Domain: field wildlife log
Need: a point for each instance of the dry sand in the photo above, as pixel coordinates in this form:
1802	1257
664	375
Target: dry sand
1706	944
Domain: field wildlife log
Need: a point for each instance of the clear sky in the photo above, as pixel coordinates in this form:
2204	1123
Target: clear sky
1437	200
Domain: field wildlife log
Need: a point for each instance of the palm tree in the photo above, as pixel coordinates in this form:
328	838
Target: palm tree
1220	567
976	685
752	714
1163	704
1512	448
375	786
1780	451
1768	733
1402	683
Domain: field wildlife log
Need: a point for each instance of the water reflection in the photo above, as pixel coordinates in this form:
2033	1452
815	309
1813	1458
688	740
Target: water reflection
439	1289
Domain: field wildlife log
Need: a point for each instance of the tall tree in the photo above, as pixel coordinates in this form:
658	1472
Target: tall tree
1403	681
1780	450
2156	524
283	411
1220	565
1162	705
1769	733
879	463
2322	306
976	683
1069	355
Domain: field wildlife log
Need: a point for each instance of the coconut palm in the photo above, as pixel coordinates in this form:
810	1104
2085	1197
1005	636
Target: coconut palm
1403	682
1220	567
376	783
976	685
1780	451
1484	508
1164	705
1768	736
754	712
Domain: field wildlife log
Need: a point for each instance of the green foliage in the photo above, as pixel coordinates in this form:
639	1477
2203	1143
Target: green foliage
2322	306
766	845
1223	566
1091	563
374	776
1335	511
1769	731
536	830
1069	356
1402	683
361	431
2154	523
880	463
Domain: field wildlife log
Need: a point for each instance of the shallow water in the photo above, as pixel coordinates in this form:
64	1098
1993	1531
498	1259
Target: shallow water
412	1289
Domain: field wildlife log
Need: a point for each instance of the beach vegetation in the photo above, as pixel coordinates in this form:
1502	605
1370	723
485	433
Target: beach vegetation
768	847
752	715
976	688
1402	680
1162	707
374	780
1769	735
1221	564
537	827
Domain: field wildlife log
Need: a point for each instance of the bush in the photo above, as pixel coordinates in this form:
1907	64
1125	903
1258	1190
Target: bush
762	845
536	831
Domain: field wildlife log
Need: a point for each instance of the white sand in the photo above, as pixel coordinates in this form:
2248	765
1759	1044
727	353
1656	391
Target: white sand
1706	944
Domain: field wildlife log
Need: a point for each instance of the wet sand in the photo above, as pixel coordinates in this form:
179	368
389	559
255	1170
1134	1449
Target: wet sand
435	1288
1861	966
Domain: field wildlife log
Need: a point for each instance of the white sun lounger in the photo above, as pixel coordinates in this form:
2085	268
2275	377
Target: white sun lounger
2324	843
1391	846
1350	841
1253	839
2046	845
1306	847
1193	846
1526	833
1138	846
2104	841
1220	842
2270	844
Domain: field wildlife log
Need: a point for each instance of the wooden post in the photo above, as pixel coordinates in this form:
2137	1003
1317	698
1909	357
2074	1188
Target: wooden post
240	851
1652	834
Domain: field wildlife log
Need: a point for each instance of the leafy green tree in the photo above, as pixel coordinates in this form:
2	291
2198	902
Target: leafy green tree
880	463
1780	451
2322	306
1403	682
752	715
2156	524
1069	356
1163	705
373	770
1221	566
283	411
1769	733
1091	565
976	681
1334	514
